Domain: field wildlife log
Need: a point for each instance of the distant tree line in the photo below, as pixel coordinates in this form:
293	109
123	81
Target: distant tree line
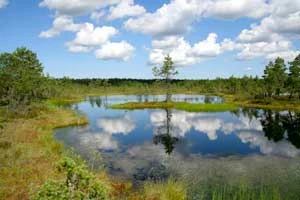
278	80
22	81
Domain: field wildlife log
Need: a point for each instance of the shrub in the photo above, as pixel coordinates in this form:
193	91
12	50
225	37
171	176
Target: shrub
78	184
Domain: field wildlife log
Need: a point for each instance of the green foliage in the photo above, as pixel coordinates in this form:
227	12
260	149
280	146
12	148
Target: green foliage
274	77
167	71
293	81
21	78
79	184
219	189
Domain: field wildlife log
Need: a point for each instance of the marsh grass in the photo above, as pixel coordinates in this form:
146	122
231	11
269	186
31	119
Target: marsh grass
79	92
240	191
170	190
29	152
278	103
177	105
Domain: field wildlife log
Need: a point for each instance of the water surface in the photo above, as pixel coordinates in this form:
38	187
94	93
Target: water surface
155	144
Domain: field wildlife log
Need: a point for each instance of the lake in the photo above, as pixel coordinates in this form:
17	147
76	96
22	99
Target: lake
154	144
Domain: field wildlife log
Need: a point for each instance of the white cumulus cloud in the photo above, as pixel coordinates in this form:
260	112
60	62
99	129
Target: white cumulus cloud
176	17
171	19
121	51
272	36
89	37
76	7
60	24
182	52
125	8
233	9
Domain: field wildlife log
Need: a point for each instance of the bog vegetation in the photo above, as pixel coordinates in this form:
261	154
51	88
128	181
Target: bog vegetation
22	82
28	97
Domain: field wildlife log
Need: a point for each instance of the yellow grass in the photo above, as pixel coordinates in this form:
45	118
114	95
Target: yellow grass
29	153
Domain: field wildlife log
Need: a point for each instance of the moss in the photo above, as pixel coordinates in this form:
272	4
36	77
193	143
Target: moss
177	105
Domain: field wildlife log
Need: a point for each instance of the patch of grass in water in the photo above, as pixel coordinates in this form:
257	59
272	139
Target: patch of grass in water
204	107
177	105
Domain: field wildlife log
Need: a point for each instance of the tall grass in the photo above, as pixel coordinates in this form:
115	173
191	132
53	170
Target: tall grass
29	152
243	190
170	190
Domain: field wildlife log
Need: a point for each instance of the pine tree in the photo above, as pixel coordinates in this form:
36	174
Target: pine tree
167	71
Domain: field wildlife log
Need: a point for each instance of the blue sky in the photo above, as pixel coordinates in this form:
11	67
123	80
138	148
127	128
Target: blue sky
126	38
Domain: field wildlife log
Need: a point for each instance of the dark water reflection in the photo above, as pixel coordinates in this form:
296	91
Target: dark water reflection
153	144
116	99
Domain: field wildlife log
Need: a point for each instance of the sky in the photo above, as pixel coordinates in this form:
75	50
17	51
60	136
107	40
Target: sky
126	38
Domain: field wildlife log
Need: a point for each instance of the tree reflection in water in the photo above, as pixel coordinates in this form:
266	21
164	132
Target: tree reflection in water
163	134
95	101
278	126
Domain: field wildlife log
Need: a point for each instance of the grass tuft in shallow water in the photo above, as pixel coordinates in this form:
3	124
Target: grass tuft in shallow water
170	190
222	190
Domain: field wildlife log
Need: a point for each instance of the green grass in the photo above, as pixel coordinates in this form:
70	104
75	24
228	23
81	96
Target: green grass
239	100
243	190
177	105
270	103
170	190
29	152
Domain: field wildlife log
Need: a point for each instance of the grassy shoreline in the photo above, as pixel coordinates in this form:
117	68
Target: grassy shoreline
29	152
232	100
271	104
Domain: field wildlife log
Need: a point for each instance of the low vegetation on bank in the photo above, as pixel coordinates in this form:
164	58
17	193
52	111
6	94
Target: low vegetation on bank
29	152
279	103
190	107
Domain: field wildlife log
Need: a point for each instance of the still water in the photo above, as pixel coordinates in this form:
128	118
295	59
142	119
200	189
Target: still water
154	144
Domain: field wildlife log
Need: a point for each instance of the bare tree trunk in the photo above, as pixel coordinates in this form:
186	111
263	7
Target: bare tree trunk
168	93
